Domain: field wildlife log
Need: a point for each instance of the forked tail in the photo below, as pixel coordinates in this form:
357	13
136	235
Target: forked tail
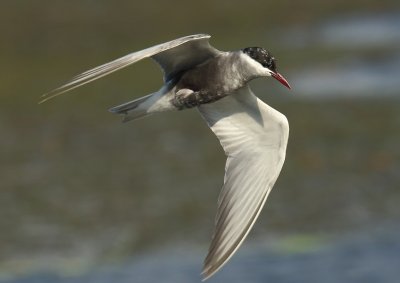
159	101
133	109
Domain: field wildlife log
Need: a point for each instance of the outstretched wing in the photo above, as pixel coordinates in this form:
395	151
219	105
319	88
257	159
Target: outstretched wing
173	56
254	137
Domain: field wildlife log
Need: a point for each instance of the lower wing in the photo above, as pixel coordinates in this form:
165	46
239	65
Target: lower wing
254	137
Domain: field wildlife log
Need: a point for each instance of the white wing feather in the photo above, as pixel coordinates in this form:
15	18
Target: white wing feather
173	56
254	137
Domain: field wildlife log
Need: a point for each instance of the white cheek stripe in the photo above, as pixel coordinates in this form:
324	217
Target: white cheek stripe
262	71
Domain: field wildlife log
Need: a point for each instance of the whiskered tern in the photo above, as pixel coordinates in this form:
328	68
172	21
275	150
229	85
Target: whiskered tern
253	135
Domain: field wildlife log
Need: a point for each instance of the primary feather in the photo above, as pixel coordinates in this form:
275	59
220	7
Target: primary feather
192	50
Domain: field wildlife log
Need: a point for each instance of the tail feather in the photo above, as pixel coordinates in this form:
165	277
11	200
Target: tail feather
135	115
155	102
132	109
128	106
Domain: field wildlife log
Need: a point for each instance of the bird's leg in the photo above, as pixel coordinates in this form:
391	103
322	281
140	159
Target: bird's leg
187	98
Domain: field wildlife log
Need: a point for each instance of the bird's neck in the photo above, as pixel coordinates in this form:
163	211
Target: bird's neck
236	72
237	68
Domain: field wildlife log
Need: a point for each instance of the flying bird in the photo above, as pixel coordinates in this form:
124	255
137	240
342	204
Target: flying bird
253	135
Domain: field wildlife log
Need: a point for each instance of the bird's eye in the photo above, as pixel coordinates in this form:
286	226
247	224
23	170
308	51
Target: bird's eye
270	63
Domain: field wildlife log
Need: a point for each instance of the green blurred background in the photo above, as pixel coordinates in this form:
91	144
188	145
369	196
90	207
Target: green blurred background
81	192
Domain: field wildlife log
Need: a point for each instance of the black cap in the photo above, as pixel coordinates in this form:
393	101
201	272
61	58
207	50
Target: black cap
262	56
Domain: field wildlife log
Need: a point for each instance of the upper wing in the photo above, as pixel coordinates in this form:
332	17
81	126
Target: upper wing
195	50
254	137
173	57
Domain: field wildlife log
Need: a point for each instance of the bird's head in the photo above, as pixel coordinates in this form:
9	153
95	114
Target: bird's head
265	63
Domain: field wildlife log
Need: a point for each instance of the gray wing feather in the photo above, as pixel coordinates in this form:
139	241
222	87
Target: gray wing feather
185	56
254	137
173	57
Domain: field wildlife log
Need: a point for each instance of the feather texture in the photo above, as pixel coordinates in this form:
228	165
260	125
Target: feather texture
173	57
254	137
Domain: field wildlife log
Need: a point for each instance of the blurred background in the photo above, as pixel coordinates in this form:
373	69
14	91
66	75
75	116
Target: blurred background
85	198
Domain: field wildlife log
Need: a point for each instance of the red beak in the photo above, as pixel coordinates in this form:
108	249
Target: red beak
281	79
